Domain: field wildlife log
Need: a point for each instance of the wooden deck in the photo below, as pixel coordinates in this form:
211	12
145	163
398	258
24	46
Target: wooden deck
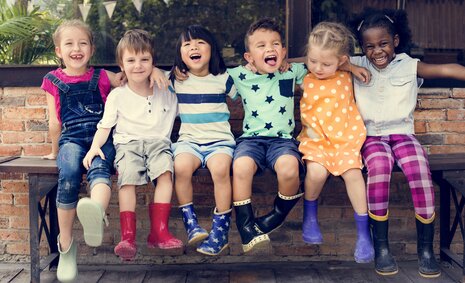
288	272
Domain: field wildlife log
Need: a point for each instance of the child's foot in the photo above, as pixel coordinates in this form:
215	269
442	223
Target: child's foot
126	250
364	252
92	218
171	243
67	267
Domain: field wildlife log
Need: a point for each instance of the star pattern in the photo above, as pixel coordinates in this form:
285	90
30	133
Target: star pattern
290	122
269	99
271	76
242	76
280	134
268	126
282	110
247	127
255	114
255	88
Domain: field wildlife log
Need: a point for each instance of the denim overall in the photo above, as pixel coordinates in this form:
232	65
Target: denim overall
81	110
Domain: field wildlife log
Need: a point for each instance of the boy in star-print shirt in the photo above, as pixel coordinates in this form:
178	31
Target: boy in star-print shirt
267	141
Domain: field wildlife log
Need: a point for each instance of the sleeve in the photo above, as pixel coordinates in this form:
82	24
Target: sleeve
111	111
231	90
356	60
300	71
104	85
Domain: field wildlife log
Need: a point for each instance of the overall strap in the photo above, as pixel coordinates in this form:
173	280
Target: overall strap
93	84
57	82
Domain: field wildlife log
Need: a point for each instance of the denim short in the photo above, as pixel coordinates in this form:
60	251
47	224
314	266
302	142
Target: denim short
204	151
69	162
140	161
265	151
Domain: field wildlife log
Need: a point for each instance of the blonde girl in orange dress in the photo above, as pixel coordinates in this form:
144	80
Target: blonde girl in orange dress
332	132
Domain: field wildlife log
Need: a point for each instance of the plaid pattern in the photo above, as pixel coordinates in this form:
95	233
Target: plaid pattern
379	154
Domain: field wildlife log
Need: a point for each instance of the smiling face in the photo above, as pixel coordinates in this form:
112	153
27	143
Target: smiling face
196	54
137	66
379	46
265	51
75	49
323	63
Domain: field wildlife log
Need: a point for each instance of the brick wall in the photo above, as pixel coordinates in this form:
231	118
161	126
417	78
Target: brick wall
439	124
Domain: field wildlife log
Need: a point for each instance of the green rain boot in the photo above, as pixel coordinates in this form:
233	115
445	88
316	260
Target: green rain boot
67	267
92	217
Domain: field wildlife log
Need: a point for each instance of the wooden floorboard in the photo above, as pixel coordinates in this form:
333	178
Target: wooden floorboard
272	272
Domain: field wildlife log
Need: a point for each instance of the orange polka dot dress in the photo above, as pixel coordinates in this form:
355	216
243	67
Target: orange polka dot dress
332	128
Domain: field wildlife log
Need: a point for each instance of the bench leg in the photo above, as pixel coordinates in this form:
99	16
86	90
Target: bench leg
34	198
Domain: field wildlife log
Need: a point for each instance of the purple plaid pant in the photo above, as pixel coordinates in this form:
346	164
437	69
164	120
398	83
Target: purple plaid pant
379	154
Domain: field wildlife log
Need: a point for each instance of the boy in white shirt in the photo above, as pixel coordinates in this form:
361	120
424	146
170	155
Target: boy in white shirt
142	117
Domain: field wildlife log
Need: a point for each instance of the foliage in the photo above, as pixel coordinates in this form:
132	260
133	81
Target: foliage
25	36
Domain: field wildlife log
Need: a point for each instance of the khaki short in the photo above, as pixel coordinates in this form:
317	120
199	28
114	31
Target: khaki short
141	161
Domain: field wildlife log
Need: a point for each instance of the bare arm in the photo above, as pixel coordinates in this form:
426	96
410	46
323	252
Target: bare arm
100	138
115	78
361	73
432	71
54	127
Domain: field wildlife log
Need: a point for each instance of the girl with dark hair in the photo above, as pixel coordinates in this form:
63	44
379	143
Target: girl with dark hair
205	137
387	104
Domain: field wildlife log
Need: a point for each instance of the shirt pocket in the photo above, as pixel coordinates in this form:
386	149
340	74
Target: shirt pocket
402	81
286	87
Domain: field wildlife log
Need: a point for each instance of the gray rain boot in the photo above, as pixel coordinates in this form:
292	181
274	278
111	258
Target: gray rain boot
67	267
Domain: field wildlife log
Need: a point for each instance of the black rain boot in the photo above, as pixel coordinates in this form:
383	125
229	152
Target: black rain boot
245	221
385	264
275	218
428	267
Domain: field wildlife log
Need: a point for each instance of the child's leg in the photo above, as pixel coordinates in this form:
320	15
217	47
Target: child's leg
185	165
413	161
159	212
244	169
127	198
287	171
314	182
379	161
70	175
220	169
355	185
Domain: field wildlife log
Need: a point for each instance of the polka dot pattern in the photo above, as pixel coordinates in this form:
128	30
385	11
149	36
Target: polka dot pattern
337	130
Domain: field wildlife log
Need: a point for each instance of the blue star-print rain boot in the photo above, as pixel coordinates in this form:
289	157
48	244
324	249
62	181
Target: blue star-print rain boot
217	240
195	233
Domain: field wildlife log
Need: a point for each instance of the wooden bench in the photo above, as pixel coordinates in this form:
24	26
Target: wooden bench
447	171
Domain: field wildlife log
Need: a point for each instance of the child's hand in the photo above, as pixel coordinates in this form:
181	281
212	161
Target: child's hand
50	156
159	78
120	79
93	151
180	75
251	67
361	74
285	66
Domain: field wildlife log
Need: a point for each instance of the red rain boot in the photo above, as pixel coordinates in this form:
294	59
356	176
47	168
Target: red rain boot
126	249
159	235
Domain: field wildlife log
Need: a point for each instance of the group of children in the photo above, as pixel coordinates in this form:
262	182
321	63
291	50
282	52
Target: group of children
94	130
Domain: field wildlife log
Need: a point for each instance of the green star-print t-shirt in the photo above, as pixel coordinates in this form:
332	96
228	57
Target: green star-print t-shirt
268	100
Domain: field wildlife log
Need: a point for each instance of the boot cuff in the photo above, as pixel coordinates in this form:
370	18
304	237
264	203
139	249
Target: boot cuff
242	202
425	221
289	197
379	218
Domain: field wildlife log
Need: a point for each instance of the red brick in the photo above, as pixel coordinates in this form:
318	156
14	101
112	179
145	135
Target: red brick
455	139
37	150
6	198
11	176
23	137
10	150
18	248
11	125
4	223
37	125
20	113
440	103
14	235
458	92
420	127
21	199
456	114
447	149
430	115
12	101
15	186
451	126
19	222
434	93
10	210
22	91
36	100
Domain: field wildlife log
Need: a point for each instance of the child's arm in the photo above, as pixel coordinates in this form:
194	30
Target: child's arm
432	71
157	77
54	127
361	73
100	138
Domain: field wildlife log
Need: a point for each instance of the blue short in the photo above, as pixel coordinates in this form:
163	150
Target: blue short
266	150
204	151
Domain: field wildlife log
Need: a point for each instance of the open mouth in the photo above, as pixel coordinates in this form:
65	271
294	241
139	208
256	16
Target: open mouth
195	57
380	61
271	60
76	57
